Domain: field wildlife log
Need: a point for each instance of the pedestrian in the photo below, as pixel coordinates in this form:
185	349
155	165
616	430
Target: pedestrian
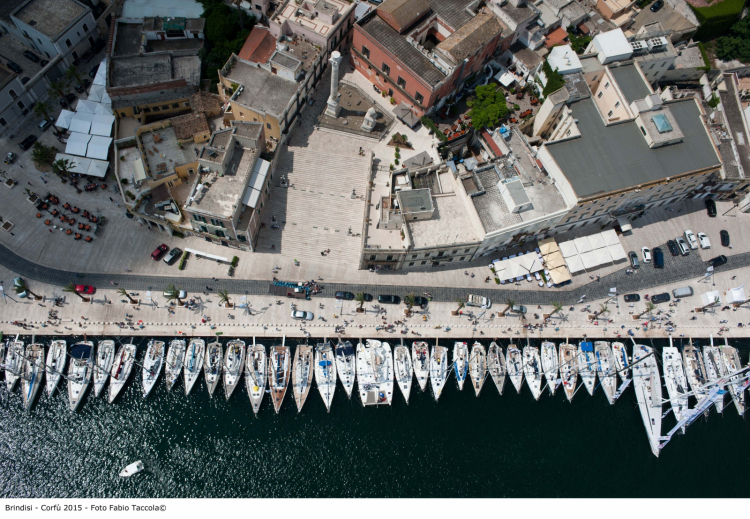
110	199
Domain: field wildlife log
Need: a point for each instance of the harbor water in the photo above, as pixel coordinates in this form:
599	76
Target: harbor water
463	446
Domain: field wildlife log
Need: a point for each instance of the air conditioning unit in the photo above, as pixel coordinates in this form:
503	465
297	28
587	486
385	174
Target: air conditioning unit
637	46
656	44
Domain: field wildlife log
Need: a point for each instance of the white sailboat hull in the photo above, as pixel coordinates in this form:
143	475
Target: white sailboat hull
105	355
57	358
420	357
234	362
549	365
496	366
438	370
153	363
212	366
255	375
346	366
514	365
193	363
403	370
121	368
532	366
173	362
325	375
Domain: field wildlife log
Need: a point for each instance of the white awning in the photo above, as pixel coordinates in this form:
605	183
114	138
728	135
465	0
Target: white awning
624	224
589	260
98	94
104	108
505	78
610	237
99	147
575	264
101	73
102	125
207	255
258	176
78	165
582	244
617	252
518	266
596	241
85	106
711	298
64	120
548	246
139	172
81	122
77	144
736	295
603	257
98	168
568	249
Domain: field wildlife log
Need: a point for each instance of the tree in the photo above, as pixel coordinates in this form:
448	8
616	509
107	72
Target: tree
74	75
43	109
21	286
511	303
224	298
42	154
555	80
603	308
715	302
360	298
736	45
237	3
460	303
59	88
556	307
410	300
649	308
172	293
226	32
62	167
487	107
70	288
124	292
578	42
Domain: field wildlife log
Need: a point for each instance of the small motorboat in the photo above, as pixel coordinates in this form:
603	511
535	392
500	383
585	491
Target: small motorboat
133	468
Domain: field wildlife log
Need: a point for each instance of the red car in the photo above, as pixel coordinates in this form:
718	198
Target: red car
85	289
160	251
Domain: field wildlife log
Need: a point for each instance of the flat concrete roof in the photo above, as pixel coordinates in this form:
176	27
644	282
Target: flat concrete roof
50	17
263	91
167	151
128	39
221	195
733	116
630	82
609	158
150	69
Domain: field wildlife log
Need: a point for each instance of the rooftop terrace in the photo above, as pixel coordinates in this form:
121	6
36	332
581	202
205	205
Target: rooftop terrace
263	91
221	195
164	153
50	17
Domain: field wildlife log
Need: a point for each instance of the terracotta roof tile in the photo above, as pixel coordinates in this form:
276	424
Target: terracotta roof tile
259	46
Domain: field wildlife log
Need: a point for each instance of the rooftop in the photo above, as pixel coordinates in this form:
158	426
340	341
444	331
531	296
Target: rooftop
470	37
164	155
194	44
631	84
7	7
689	57
50	17
185	126
143	8
525	55
221	195
263	91
150	69
609	158
734	118
128	40
247	129
289	11
518	14
259	46
204	102
403	13
415	200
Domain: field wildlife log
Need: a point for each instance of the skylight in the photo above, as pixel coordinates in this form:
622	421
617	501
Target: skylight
661	123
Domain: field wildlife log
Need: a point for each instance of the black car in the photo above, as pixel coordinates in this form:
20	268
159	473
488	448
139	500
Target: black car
44	62
632	298
658	258
30	55
347	296
368	297
711	208
660	298
388	299
27	142
82	86
657	5
673	248
25	80
724	238
420	301
718	261
634	260
14	67
92	72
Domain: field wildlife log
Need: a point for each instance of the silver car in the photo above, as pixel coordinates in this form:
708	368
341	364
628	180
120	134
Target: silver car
302	315
683	245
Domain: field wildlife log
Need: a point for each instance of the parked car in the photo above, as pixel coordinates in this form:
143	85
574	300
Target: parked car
25	80
27	142
632	298
44	62
674	250
634	260
14	67
691	239
159	252
724	238
172	256
518	309
346	296
420	301
85	289
92	72
10	158
646	253
481	301
657	5
718	261
658	258
30	55
389	299
301	315
704	241
711	208
17	283
44	125
368	297
683	244
679	293
181	294
660	298
80	87
67	100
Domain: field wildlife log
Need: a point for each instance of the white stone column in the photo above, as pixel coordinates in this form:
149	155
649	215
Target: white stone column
333	101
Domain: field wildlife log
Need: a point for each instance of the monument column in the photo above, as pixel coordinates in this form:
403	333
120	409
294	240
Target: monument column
333	100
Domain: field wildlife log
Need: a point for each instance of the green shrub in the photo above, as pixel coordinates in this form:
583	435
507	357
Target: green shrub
235	261
427	122
124	181
488	106
714	101
717	20
130	195
178	234
704	55
393	101
516	107
555	80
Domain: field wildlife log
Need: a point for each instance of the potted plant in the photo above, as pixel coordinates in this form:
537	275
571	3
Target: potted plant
224	299
172	293
461	304
124	292
360	299
70	288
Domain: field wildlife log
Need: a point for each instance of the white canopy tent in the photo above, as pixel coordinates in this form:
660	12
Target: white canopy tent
102	125
574	264
78	165
582	244
77	144
736	295
610	237
85	106
596	241
102	108
568	249
98	147
97	168
711	298
81	122
64	120
518	266
98	94
559	275
603	257
101	74
590	260
617	252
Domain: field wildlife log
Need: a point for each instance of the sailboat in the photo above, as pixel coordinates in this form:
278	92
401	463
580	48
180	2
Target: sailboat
732	364
420	360
234	362
695	370
620	354
79	372
549	365
325	372
514	364
346	365
403	370
278	374
606	369
173	365
496	366
647	385
33	372
586	365
478	367
255	374
569	369
57	358
193	363
212	363
375	372
152	364
13	363
438	369
674	379
461	362
121	368
532	368
714	369
105	355
302	374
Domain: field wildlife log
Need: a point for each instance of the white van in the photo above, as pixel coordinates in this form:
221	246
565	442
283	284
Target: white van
472	300
682	292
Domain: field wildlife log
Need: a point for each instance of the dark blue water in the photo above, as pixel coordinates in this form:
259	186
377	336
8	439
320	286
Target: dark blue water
491	446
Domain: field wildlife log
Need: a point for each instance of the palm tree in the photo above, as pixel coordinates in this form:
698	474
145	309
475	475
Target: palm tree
22	287
715	302
556	307
124	292
62	167
360	298
73	74
70	288
460	303
511	303
59	88
603	308
224	298
42	154
649	308
410	300
43	109
173	293
237	3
